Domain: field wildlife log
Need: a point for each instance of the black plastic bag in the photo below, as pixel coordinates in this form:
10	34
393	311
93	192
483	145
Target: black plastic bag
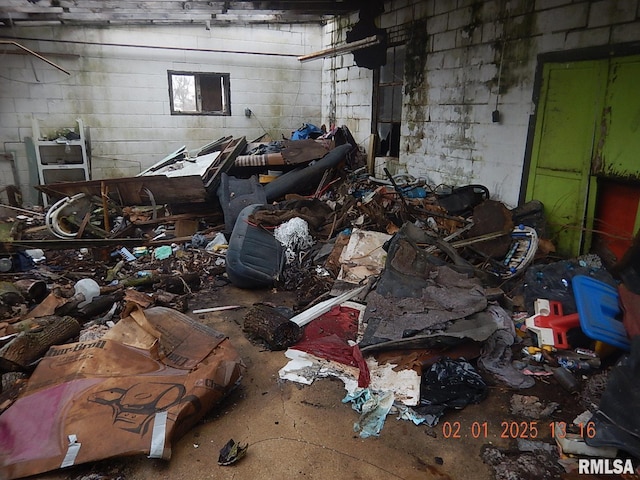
450	384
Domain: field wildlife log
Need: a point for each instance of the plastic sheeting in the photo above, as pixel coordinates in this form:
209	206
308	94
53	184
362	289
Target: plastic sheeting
452	384
373	409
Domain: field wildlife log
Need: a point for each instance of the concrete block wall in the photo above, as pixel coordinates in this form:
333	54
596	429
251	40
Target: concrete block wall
119	87
346	88
467	59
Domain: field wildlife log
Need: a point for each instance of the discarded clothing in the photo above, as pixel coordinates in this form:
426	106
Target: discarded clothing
265	148
373	409
496	359
307	130
313	211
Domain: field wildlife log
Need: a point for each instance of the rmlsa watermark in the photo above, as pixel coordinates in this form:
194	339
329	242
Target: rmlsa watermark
604	466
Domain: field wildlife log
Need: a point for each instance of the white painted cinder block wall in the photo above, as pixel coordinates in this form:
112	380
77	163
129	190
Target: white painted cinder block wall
120	89
447	131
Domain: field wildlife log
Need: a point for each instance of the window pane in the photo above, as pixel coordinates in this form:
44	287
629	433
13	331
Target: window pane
397	103
398	63
183	89
385	113
212	93
195	93
386	71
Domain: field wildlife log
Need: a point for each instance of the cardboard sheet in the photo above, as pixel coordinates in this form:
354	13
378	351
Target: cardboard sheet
131	392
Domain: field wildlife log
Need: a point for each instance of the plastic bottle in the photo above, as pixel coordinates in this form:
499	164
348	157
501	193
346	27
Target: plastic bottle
88	288
565	378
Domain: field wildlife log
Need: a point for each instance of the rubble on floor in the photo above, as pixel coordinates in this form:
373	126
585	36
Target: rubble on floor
419	298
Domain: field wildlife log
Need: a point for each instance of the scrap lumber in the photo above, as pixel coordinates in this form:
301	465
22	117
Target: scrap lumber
268	324
28	346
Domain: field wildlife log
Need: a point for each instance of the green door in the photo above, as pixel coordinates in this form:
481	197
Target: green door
570	106
619	154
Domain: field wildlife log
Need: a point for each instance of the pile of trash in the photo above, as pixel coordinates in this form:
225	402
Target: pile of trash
417	297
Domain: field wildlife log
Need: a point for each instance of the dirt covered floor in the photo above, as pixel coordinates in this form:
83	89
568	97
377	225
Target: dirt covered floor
299	431
432	279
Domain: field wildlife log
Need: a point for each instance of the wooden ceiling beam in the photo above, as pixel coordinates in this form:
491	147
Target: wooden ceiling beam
94	12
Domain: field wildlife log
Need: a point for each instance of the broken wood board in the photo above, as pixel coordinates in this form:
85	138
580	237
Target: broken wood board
145	190
225	161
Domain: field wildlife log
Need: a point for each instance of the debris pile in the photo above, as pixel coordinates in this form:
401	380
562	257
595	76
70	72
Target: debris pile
418	297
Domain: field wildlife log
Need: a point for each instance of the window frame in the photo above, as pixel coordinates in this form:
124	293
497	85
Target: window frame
389	78
225	93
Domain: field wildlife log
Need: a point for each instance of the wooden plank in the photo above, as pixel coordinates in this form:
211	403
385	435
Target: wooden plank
134	15
131	190
224	162
20	6
98	5
371	154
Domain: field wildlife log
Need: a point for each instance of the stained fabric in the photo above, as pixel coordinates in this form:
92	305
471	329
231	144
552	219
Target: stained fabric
445	297
328	337
307	130
418	293
313	211
373	409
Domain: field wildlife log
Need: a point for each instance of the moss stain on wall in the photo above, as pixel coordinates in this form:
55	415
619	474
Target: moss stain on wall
516	46
415	86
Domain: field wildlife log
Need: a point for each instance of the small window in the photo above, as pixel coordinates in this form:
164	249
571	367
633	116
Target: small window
389	102
194	93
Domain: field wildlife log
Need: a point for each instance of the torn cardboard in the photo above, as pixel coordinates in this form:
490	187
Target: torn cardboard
145	383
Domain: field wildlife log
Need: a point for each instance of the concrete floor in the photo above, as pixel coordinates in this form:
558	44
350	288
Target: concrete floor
297	431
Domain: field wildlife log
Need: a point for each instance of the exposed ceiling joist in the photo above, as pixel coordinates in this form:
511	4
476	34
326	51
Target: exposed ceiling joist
32	12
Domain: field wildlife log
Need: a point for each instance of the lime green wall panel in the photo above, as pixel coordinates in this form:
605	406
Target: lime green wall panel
571	101
620	147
